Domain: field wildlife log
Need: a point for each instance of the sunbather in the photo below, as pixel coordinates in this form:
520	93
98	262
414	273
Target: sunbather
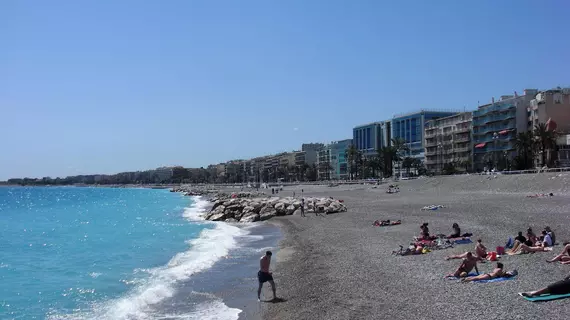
560	287
386	223
551	233
456	231
546	245
480	249
463	256
424	234
469	262
563	257
497	273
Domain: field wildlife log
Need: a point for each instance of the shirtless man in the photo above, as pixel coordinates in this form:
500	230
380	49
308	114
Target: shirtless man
264	275
480	249
469	262
497	273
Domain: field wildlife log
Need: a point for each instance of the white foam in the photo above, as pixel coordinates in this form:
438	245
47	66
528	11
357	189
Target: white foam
204	251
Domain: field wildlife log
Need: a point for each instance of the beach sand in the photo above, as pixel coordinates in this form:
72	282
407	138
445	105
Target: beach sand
341	267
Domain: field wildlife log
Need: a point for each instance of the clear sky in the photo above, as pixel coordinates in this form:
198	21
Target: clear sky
107	86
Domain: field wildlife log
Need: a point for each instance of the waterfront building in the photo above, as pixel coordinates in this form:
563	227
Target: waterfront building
308	154
448	141
495	127
332	163
369	138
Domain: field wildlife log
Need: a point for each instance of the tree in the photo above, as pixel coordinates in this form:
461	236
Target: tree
524	144
400	147
407	163
386	158
545	140
353	158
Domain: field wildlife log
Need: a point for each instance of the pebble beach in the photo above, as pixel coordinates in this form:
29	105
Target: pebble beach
341	267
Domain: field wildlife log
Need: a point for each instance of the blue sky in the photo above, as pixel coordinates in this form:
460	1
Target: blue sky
108	86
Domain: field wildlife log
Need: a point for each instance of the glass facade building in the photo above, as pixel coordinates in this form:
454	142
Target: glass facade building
370	137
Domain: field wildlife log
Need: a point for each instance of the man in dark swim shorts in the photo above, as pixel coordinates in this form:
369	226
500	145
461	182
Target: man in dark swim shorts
263	275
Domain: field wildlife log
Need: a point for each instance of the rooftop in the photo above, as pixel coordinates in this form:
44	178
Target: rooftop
399	115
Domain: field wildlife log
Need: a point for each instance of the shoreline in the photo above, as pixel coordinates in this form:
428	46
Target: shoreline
341	267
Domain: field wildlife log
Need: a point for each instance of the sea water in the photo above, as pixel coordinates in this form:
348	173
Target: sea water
109	253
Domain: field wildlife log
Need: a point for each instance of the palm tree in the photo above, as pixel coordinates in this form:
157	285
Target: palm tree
353	158
524	144
400	146
387	156
545	140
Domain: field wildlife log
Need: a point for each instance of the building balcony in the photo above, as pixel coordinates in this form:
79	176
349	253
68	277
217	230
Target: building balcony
461	139
494	118
463	149
491	109
431	143
495	128
431	152
462	130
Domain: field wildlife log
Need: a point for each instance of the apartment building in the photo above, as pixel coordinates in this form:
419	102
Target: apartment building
495	127
448	141
332	163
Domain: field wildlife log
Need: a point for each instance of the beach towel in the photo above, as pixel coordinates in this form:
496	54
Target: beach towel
546	297
461	240
495	280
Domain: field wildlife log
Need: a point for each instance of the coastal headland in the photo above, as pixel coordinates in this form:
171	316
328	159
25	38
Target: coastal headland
341	267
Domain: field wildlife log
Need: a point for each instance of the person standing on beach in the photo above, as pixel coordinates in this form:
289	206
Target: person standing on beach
302	207
264	275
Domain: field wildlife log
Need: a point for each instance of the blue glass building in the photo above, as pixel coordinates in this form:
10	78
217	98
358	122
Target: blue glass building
368	138
410	127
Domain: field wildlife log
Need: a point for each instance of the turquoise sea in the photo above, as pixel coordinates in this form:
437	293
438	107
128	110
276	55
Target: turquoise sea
114	253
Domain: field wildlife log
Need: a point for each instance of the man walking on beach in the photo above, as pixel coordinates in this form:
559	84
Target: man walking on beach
302	207
264	275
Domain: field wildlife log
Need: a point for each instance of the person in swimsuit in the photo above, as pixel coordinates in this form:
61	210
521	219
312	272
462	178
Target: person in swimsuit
424	233
563	257
302	207
264	275
456	231
469	262
480	249
560	287
497	273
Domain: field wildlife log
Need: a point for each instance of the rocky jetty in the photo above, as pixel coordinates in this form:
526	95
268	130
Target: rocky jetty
259	209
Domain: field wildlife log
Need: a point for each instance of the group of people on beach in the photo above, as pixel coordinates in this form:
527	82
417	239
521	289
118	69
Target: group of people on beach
529	244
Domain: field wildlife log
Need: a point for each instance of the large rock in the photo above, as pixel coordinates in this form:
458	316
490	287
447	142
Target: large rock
290	209
218	217
249	217
280	207
267	214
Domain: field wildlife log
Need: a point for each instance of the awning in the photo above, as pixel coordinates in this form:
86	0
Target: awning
504	131
551	125
480	145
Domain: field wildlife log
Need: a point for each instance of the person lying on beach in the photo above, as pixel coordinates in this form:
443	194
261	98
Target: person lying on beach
469	262
413	249
560	287
456	231
480	249
497	273
563	257
386	223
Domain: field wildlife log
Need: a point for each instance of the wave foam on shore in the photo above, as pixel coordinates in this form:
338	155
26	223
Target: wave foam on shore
211	245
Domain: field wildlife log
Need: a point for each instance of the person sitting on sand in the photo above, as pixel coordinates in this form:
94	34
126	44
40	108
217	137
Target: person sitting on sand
551	233
480	249
531	238
497	273
520	238
469	262
456	231
560	287
563	257
424	234
542	247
